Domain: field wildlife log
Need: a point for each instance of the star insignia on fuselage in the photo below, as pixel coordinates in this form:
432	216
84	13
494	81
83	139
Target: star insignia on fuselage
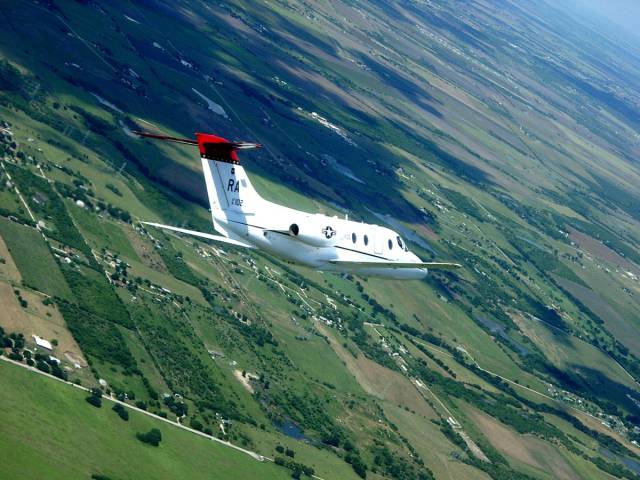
328	232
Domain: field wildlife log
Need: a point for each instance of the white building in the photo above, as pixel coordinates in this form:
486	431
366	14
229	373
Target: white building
41	342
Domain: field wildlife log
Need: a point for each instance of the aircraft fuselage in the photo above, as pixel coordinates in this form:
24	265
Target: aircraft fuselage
321	240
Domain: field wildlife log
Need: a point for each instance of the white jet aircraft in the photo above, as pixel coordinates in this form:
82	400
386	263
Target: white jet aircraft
318	241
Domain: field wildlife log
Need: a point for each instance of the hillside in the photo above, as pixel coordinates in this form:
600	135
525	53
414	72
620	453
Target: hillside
503	135
43	412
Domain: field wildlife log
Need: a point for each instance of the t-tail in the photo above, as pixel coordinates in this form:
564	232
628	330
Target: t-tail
228	186
231	195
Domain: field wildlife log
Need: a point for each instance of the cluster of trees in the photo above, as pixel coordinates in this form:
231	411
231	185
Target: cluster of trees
285	450
614	469
435	359
297	469
12	340
121	411
98	337
93	122
373	350
547	221
427	337
43	362
463	203
114	189
309	410
95	295
95	398
20	214
23	302
182	367
179	408
434	340
198	425
176	264
153	394
257	334
357	464
152	437
46	364
395	466
15	341
77	174
376	307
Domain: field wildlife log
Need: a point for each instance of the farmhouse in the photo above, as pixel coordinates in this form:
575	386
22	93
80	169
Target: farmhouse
41	342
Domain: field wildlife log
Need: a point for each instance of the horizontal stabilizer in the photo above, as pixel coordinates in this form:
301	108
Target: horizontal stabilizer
394	265
211	146
155	136
215	238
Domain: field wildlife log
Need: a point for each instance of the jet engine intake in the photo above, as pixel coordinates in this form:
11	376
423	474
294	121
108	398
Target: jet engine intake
314	235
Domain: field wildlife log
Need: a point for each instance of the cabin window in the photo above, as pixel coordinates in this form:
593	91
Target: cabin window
366	240
354	238
390	245
401	243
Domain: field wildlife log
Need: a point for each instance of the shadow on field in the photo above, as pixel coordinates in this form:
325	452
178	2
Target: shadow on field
595	382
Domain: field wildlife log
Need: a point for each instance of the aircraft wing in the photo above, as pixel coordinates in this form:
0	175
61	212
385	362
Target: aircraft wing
394	265
215	238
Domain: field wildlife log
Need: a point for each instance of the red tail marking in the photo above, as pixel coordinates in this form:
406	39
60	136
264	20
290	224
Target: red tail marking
210	146
217	148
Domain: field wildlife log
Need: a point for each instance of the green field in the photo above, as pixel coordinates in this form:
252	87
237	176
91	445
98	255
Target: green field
104	234
34	260
52	432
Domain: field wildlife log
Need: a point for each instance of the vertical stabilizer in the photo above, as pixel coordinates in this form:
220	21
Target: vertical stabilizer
228	186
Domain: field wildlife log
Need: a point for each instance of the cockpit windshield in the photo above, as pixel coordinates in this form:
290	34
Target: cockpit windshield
401	244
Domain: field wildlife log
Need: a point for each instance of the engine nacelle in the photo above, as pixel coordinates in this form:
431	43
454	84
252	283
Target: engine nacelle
313	233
